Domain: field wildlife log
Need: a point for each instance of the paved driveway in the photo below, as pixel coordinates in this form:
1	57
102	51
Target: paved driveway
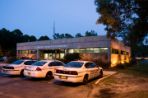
16	87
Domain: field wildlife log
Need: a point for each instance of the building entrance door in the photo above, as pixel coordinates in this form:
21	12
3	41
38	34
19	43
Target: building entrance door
52	54
48	56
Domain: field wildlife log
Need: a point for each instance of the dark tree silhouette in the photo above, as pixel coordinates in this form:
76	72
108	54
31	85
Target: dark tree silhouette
90	33
44	38
126	19
78	35
61	36
8	40
33	38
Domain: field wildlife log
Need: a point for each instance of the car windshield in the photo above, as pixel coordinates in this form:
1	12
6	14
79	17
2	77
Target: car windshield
39	63
18	62
74	64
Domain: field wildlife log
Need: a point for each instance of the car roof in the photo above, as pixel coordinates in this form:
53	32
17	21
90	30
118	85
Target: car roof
82	61
27	60
49	60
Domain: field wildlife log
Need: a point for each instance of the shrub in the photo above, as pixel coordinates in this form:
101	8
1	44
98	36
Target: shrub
71	57
100	59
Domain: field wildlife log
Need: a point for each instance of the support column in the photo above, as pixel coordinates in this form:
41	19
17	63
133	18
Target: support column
38	54
17	54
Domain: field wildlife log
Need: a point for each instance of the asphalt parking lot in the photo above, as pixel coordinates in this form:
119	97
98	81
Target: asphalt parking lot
17	87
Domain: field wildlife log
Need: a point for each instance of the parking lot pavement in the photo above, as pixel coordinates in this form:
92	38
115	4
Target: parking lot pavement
16	87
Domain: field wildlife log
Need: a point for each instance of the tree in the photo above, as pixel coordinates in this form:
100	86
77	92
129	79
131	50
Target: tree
90	33
26	38
7	42
33	38
78	35
44	38
56	36
61	36
9	39
66	35
124	18
18	35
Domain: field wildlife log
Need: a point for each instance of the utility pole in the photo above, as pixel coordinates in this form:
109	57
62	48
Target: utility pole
54	27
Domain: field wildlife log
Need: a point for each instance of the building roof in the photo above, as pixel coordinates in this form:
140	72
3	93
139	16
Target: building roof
91	41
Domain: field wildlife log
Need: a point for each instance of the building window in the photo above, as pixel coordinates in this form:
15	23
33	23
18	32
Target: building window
123	52
27	51
115	51
88	50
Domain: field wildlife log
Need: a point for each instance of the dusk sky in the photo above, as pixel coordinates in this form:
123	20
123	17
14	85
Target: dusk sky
36	17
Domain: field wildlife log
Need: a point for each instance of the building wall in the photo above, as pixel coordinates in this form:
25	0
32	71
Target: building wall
36	49
119	53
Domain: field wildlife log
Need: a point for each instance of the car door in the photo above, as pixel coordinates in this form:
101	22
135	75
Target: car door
96	70
51	66
57	64
28	63
90	70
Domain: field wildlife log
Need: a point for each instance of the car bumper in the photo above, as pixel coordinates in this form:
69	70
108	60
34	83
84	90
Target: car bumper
34	74
10	72
68	78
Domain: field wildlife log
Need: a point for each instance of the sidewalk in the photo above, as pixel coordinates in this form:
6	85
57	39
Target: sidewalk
95	87
106	74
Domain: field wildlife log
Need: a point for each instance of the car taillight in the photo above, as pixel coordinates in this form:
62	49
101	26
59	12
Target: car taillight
8	67
67	72
59	71
73	73
38	69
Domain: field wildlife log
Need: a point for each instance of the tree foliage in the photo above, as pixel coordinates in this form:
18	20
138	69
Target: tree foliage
124	18
61	36
90	33
78	35
44	38
8	40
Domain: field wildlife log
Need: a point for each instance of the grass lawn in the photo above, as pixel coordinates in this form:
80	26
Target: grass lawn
131	82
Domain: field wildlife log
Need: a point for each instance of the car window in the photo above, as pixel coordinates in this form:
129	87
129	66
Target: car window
51	64
74	64
18	62
29	62
59	63
39	63
90	65
56	63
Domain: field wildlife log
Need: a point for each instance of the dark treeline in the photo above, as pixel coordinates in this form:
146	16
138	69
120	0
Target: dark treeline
8	39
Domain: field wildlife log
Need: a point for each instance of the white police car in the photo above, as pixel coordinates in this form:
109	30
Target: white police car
42	69
78	71
17	67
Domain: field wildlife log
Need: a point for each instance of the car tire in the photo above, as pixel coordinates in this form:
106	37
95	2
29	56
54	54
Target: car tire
49	75
101	74
22	73
85	79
